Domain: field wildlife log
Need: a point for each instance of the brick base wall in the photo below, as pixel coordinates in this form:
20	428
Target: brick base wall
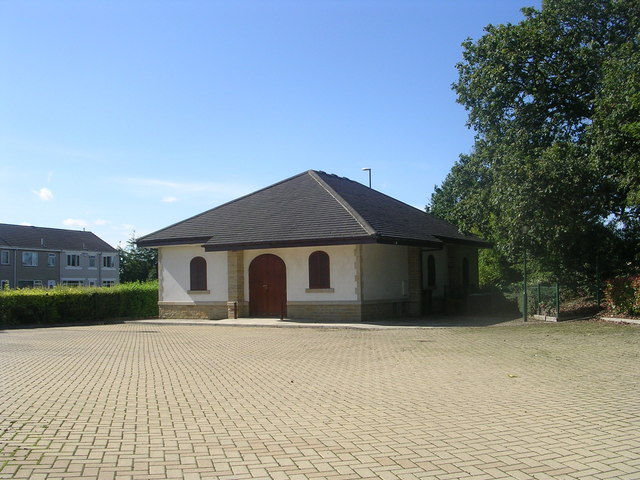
319	312
348	312
325	312
215	311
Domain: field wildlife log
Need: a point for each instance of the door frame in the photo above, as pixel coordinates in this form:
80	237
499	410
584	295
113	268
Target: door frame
275	282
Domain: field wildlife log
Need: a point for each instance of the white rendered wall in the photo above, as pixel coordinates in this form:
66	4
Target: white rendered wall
342	265
385	272
175	279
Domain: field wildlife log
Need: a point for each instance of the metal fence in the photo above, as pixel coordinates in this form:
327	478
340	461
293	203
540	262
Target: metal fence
541	299
546	300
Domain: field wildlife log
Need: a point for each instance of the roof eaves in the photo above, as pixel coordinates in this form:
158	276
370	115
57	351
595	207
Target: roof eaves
290	243
466	241
171	242
416	242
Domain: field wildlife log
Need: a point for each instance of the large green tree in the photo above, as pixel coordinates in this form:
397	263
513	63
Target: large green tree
541	95
137	264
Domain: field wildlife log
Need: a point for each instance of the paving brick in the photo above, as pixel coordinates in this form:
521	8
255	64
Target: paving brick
138	401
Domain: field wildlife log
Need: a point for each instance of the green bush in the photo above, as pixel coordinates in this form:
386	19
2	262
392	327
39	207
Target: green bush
78	304
622	295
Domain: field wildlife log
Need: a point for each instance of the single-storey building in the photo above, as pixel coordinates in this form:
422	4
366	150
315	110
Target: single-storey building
314	246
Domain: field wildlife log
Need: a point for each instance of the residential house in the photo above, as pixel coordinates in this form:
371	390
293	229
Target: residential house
46	257
314	246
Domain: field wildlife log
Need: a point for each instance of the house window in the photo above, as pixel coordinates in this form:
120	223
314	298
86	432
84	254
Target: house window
108	283
92	261
51	260
25	283
72	283
198	273
51	283
73	260
108	261
319	275
4	285
30	259
4	257
431	271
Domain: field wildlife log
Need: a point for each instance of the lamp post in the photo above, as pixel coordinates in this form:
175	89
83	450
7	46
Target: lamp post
525	303
368	170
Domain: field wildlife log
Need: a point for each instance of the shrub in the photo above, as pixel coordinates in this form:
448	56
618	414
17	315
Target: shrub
622	295
78	304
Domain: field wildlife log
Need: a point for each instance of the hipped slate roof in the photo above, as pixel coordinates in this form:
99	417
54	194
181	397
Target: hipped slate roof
313	208
23	237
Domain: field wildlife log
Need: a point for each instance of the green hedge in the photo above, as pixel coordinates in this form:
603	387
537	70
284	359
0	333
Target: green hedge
64	305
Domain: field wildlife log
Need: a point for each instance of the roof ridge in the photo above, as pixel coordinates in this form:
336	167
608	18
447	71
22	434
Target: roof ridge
37	227
343	203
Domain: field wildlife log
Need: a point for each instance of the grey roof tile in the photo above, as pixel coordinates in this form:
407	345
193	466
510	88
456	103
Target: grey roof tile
20	236
312	208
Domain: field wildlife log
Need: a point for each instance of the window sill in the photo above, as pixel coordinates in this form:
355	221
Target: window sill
319	290
198	292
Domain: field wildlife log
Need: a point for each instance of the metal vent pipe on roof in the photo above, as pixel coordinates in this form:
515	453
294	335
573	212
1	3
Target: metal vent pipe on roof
366	169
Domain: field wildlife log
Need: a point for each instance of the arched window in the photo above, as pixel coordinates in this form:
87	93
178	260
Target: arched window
431	271
198	271
319	276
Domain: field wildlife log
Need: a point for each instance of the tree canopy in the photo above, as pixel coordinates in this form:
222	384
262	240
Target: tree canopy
555	104
137	264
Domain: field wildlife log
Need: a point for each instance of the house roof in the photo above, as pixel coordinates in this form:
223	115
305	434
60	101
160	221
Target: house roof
19	236
312	208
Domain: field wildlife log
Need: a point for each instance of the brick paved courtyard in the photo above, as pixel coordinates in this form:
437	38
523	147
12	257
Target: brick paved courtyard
140	401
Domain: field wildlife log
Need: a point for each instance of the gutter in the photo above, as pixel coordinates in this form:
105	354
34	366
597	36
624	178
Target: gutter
172	242
289	244
462	241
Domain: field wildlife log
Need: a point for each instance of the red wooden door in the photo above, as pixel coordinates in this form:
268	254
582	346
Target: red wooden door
267	286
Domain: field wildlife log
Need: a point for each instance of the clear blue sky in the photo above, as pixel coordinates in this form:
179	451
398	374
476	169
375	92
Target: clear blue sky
123	116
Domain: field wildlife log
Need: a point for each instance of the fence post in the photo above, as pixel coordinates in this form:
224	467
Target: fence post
538	301
557	300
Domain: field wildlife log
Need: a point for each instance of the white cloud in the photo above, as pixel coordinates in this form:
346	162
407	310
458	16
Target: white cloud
44	194
75	222
169	199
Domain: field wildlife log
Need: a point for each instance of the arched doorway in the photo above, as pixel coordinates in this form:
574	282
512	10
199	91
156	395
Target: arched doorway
267	286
